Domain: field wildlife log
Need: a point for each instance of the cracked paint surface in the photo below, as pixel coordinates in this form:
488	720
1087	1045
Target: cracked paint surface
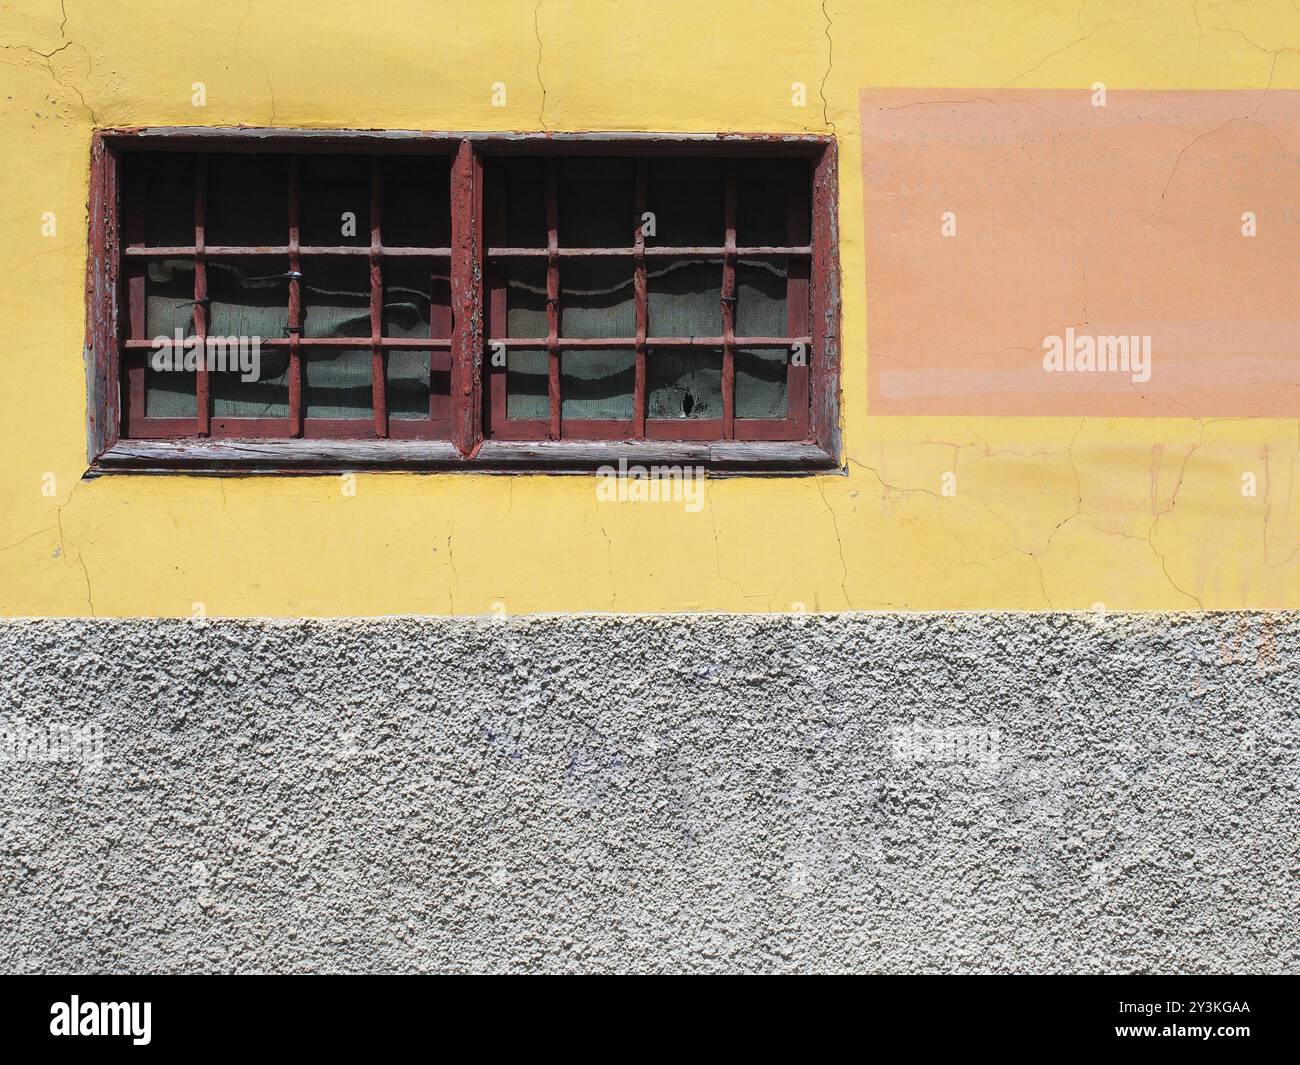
1061	511
996	219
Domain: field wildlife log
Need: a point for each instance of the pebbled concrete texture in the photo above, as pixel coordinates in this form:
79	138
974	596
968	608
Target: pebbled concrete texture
900	793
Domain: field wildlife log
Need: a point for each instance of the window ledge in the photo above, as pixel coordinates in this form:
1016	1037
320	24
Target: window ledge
235	457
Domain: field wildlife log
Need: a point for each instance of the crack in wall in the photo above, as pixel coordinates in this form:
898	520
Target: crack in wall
1073	44
1173	502
537	32
47	58
717	555
85	572
830	59
839	543
609	562
453	577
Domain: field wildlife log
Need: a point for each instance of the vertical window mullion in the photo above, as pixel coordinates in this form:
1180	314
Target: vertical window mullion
295	298
729	309
553	298
824	383
642	301
202	386
378	373
466	272
136	271
797	295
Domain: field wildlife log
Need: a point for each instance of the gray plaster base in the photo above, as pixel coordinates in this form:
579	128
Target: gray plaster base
906	793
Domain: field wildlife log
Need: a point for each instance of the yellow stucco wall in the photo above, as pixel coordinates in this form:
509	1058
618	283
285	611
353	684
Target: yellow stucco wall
1050	512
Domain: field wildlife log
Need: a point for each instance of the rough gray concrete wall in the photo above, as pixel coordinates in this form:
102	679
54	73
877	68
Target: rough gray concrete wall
906	793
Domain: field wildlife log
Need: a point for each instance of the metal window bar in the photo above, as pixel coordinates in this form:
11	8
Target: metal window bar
553	298
798	258
655	251
631	342
466	299
641	297
202	386
797	293
466	329
227	251
378	357
385	343
295	299
729	308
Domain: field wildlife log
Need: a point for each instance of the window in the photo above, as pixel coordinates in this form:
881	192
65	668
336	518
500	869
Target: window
273	300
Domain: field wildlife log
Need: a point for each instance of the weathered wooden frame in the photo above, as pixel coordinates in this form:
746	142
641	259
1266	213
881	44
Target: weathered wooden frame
466	449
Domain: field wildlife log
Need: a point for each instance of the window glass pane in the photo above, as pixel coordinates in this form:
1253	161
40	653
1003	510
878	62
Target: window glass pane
597	383
248	297
597	298
761	298
168	196
417	201
169	305
687	197
168	393
516	203
413	290
168	298
763	187
337	383
526	383
334	198
761	382
265	397
336	297
685	297
684	384
248	200
410	384
597	197
525	299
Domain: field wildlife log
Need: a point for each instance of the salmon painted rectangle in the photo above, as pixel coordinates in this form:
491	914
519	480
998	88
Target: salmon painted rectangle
1016	240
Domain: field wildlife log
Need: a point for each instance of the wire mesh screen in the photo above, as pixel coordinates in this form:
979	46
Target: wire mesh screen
249	203
169	298
761	382
338	384
517	217
266	397
684	384
765	190
169	305
597	383
526	299
168	393
526	383
247	200
168	180
685	197
685	298
335	200
411	288
708	224
761	298
597	298
595	201
248	297
409	384
336	297
417	190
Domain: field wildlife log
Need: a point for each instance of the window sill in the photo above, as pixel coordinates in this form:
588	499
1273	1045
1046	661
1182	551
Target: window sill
238	457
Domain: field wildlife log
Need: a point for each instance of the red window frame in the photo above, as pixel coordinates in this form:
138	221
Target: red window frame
474	432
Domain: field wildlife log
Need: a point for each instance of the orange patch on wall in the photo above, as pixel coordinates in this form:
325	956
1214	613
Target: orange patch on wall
1008	231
